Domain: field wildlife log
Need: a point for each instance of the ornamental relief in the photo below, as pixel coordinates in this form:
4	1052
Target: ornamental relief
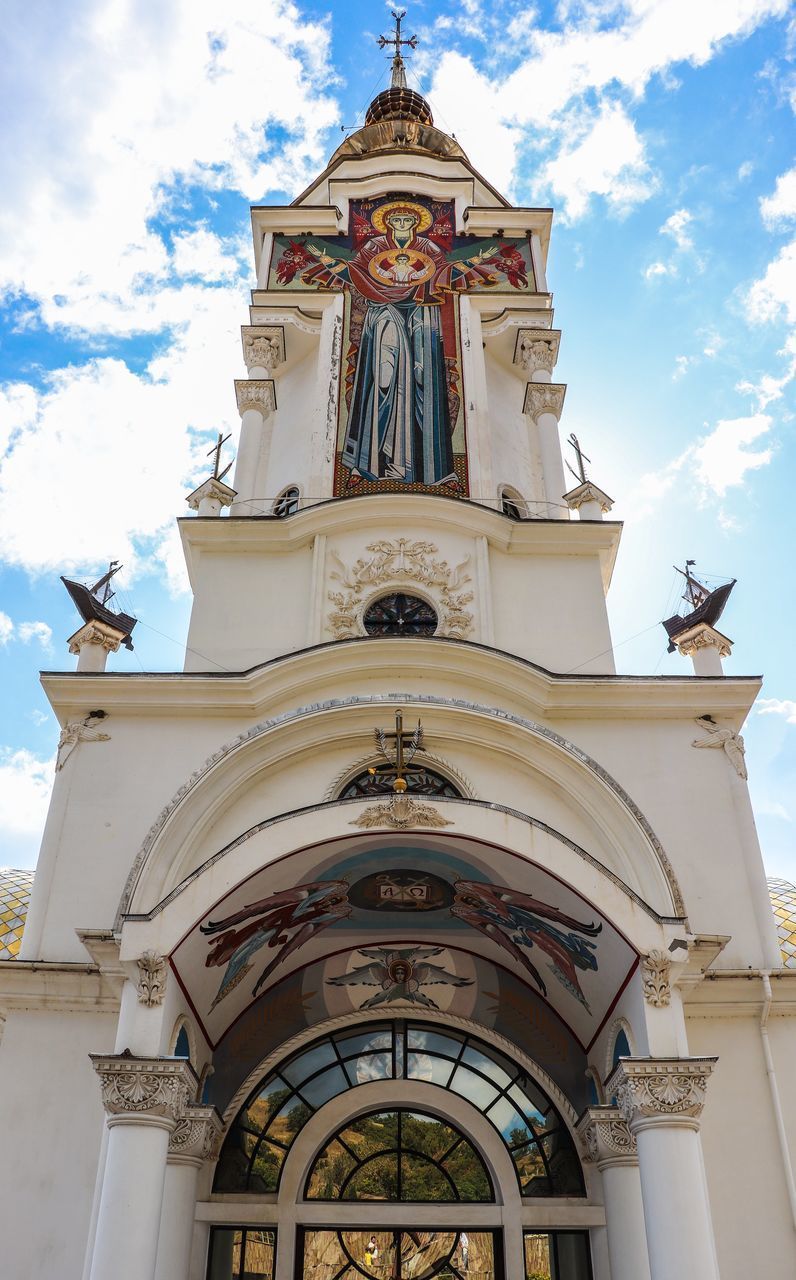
396	564
655	979
152	1087
673	1088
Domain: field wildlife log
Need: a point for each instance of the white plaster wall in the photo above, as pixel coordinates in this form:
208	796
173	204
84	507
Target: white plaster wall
754	1229
513	462
52	1124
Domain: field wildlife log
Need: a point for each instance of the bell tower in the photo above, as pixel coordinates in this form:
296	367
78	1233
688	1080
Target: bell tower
400	358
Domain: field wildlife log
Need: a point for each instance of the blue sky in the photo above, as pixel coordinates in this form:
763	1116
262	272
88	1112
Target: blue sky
660	130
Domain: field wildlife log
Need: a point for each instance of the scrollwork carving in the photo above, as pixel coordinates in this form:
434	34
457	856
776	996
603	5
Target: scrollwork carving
195	1136
152	1087
605	1137
402	812
650	1088
152	972
655	969
397	563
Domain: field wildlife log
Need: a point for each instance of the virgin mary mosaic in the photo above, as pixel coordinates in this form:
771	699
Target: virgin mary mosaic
401	267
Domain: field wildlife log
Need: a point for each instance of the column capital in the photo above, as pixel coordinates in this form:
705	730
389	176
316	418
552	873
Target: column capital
196	1136
255	393
702	636
585	494
544	397
144	1090
263	345
605	1138
213	492
99	633
537	349
654	1091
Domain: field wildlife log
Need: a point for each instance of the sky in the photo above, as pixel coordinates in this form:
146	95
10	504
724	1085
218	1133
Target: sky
135	135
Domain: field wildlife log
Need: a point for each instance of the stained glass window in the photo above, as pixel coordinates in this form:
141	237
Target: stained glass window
399	1255
427	783
288	502
538	1141
400	615
399	1155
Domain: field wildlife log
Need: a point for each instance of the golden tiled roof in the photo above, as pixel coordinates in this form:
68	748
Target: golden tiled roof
15	887
783	900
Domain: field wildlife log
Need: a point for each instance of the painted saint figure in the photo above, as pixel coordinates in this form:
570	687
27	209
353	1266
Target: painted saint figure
399	424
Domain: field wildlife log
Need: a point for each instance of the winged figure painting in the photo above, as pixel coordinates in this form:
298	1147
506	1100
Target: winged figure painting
515	920
399	973
286	920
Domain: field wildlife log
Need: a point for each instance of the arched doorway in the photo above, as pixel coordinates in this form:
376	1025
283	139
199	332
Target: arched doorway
403	1150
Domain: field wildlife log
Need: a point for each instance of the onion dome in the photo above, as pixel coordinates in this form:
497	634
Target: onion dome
783	902
15	890
399	103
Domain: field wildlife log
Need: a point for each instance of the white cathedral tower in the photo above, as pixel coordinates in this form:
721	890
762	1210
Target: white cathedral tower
398	935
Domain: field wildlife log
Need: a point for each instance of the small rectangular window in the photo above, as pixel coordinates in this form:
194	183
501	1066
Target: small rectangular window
242	1253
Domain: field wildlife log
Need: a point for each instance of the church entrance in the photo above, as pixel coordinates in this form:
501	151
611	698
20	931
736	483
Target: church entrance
403	1150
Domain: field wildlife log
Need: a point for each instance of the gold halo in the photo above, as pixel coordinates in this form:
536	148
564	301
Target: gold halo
378	218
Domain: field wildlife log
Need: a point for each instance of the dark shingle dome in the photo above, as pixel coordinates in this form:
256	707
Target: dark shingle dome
399	103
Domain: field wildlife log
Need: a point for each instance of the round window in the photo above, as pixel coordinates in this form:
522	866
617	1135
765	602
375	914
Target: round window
400	615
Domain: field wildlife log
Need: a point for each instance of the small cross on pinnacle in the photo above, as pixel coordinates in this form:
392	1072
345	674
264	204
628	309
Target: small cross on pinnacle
398	67
215	453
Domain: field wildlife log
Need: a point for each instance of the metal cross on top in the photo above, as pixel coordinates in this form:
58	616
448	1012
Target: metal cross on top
398	763
580	474
398	74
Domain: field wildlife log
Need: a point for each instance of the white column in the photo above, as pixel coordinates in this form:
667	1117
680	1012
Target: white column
544	402
661	1099
92	644
590	502
190	1144
609	1144
256	404
210	497
705	647
144	1099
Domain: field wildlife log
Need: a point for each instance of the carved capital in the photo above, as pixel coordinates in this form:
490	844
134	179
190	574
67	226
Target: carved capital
96	633
655	981
196	1136
263	346
588	492
537	349
255	393
152	971
147	1089
544	397
660	1090
213	490
606	1138
702	637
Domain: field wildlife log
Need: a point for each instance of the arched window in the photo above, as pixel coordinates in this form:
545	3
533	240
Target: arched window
399	1156
264	1130
427	783
400	615
512	505
288	501
621	1047
182	1048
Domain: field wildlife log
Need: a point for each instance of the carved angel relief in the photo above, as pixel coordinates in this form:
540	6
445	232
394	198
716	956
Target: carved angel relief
397	563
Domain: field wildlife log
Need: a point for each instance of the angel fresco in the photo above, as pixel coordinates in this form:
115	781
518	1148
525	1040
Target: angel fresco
402	268
301	912
399	973
515	920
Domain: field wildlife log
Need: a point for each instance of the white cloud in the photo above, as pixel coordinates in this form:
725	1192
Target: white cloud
778	209
723	458
681	366
156	98
6	628
657	269
775	294
777	707
607	160
40	631
676	226
25	785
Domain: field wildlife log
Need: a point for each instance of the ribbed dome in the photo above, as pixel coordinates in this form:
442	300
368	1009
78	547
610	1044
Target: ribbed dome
399	103
15	887
783	900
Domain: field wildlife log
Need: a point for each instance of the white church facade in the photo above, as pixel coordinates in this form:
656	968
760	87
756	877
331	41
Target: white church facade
398	935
